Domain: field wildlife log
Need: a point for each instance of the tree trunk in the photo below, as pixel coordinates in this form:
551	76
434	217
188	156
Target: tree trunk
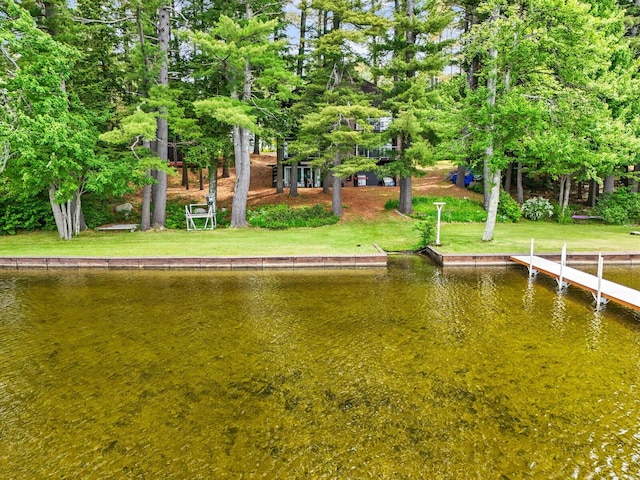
213	181
460	173
293	180
76	210
66	215
609	184
491	174
519	187
565	190
492	210
185	176
226	171
507	178
636	181
58	215
243	177
145	220
405	205
594	191
160	200
486	184
326	183
279	166
303	38
256	144
78	217
336	193
241	137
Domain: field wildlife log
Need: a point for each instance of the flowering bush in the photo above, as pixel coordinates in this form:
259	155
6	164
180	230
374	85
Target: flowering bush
537	208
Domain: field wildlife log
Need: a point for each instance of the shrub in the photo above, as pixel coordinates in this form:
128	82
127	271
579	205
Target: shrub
30	213
427	231
175	217
508	208
620	207
477	187
223	218
537	208
279	217
455	210
96	210
563	217
392	204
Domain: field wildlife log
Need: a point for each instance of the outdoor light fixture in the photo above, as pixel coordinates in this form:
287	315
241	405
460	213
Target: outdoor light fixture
439	205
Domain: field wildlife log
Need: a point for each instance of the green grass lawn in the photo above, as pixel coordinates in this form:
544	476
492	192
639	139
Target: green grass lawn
344	238
548	236
392	233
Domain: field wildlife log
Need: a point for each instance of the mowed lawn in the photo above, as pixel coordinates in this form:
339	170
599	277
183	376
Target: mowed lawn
392	233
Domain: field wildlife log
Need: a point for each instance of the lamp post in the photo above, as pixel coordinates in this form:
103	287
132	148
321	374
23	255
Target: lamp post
439	205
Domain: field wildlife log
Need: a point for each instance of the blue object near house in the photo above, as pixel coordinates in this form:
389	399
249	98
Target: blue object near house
468	178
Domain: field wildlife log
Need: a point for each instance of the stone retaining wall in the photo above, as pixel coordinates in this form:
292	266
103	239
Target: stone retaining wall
502	260
199	263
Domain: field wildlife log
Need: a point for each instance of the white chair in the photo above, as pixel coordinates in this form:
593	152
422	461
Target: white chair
200	210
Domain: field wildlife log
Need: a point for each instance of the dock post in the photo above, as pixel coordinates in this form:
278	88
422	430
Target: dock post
563	260
532	272
439	205
599	300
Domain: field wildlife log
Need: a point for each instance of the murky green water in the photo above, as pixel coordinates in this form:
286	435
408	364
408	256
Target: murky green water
410	372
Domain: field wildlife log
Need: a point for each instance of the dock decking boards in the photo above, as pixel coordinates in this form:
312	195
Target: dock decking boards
609	290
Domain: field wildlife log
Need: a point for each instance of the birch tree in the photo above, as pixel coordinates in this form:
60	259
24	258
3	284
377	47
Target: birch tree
48	138
545	92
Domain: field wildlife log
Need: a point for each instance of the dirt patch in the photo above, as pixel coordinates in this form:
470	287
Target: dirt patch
359	202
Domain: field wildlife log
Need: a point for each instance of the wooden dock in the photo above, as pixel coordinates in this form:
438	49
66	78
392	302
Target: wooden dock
609	290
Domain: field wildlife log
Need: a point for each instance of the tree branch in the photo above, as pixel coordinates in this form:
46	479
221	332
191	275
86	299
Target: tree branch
106	22
8	57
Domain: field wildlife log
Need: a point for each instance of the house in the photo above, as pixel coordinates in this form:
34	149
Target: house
310	175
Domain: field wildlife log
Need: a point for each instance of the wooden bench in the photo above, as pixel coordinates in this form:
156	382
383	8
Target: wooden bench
121	227
194	211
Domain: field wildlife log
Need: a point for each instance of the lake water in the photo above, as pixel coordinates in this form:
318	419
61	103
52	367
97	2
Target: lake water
400	373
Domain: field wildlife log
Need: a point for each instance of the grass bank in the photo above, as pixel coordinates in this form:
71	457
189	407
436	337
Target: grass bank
393	233
344	238
549	238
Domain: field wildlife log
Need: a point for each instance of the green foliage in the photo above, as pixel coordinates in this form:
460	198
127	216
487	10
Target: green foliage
563	217
138	124
228	110
427	230
455	210
327	134
477	187
175	215
537	208
97	211
223	218
29	213
619	208
279	217
508	208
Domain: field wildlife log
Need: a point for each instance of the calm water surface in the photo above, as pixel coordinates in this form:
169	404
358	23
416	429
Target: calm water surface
403	373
